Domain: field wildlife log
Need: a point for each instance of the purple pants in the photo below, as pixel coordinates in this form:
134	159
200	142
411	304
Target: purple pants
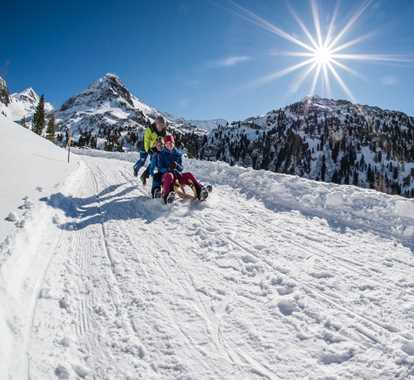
169	178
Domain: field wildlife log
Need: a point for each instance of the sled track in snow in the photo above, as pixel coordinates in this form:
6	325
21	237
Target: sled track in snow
228	289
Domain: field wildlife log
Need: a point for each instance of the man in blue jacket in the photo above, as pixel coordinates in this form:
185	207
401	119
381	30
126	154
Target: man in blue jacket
169	164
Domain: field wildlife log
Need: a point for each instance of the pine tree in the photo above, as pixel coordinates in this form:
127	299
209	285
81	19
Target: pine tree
39	117
4	92
24	124
323	168
51	128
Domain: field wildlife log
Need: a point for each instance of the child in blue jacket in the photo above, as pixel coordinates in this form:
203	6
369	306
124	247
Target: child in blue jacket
169	164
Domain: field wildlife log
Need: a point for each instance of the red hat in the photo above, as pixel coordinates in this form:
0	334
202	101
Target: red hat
168	139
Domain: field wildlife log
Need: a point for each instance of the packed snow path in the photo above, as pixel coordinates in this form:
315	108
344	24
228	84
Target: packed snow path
226	289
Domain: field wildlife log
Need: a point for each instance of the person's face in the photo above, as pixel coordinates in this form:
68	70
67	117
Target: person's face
159	145
169	145
159	125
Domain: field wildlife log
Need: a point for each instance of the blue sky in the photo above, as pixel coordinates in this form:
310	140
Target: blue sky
199	58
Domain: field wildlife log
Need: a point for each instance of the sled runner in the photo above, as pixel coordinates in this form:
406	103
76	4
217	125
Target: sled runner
183	194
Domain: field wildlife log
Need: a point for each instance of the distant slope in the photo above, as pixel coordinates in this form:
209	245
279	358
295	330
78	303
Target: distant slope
324	139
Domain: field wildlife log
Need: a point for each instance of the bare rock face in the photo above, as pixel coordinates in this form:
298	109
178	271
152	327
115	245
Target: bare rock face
4	92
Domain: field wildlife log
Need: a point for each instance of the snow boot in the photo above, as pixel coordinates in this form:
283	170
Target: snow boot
156	193
202	193
144	177
169	198
135	171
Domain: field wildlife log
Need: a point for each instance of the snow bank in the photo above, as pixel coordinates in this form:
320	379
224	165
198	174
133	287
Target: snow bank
341	205
30	168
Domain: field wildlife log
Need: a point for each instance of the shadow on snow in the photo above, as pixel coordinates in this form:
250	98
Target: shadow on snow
109	204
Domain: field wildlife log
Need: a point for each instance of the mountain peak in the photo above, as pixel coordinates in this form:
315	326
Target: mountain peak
110	86
311	98
27	94
111	76
107	80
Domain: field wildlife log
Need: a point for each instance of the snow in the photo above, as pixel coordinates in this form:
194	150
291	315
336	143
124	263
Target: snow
273	277
207	125
30	168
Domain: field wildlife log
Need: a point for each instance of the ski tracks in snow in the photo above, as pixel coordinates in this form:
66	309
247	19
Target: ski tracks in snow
227	289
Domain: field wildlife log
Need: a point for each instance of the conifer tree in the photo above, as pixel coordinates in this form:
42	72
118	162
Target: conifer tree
39	117
51	128
24	123
323	168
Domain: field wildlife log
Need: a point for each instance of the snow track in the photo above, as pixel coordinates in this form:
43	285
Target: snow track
226	289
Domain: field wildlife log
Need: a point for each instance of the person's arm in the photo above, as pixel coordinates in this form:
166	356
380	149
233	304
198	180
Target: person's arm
147	140
179	162
161	163
153	164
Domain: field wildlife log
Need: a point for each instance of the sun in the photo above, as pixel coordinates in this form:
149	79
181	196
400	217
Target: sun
323	52
323	56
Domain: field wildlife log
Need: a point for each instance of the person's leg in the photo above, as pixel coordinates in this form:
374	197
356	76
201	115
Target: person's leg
188	179
167	183
156	184
199	190
141	161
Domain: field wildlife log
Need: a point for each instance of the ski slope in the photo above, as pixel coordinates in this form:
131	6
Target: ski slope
274	277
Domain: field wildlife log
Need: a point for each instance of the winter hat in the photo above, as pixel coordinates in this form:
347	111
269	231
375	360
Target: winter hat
169	138
160	119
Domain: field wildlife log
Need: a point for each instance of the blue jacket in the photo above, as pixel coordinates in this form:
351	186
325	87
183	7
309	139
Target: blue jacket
165	158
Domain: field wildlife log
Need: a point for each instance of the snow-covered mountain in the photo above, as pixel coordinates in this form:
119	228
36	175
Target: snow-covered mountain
20	106
108	116
324	139
208	125
23	104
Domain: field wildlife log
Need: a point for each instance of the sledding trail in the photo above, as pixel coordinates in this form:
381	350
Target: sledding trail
225	289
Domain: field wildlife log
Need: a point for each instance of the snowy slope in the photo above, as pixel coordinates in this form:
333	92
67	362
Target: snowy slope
207	125
274	277
30	168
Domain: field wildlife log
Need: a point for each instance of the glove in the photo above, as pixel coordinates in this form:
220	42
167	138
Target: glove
173	166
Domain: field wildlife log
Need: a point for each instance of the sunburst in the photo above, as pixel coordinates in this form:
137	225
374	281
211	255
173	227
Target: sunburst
323	53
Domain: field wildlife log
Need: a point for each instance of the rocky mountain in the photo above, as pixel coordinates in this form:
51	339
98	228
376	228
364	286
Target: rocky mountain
324	139
23	105
108	116
4	93
20	106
